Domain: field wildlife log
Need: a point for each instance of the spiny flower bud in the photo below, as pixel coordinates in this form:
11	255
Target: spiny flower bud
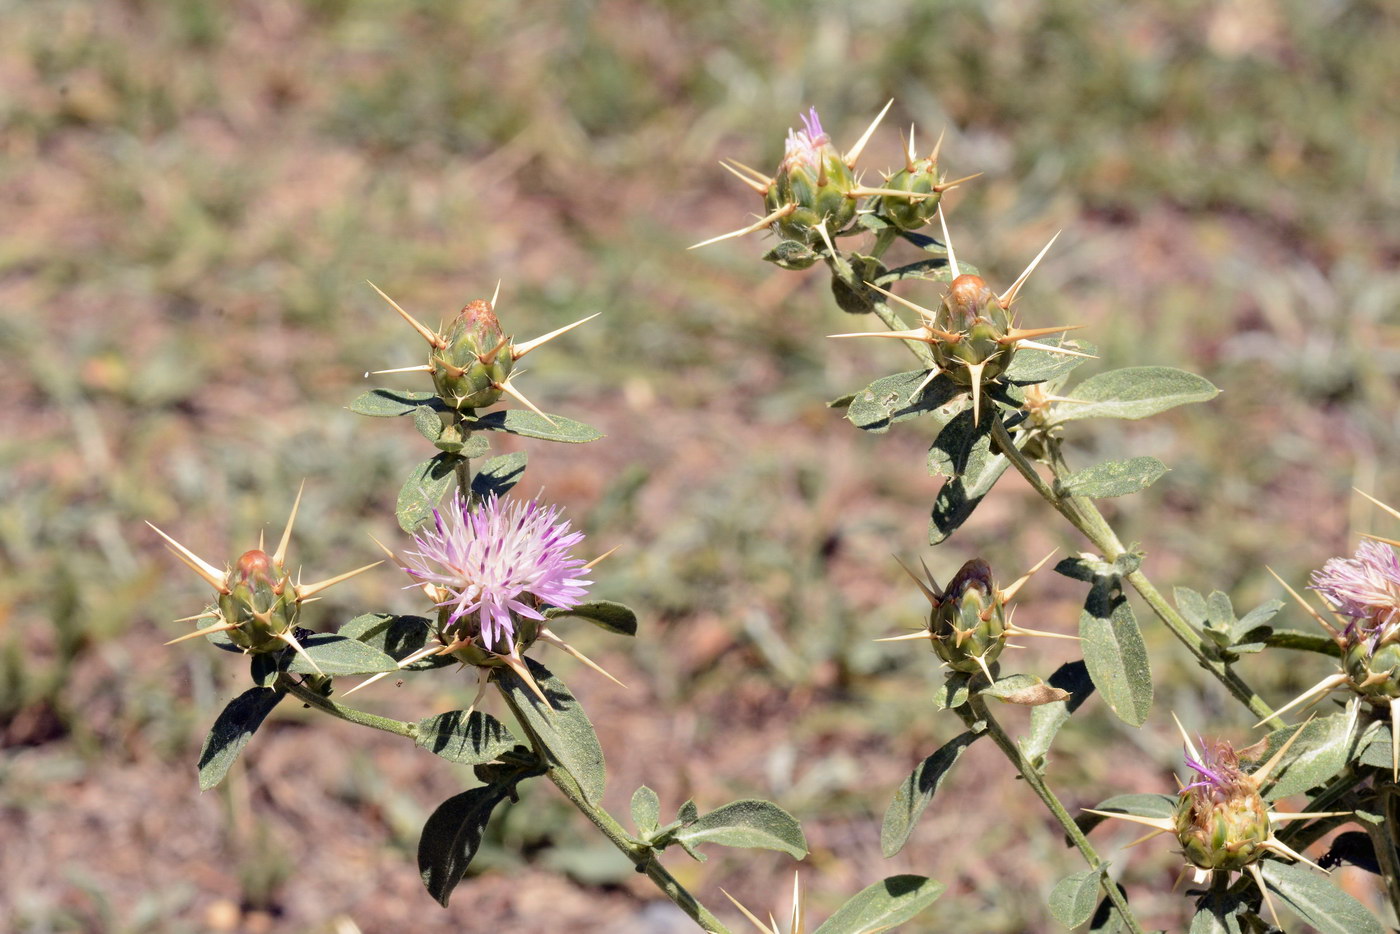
972	334
471	365
256	602
1221	820
968	625
919	177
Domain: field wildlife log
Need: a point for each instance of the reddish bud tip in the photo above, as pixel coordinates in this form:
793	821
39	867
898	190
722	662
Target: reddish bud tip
254	564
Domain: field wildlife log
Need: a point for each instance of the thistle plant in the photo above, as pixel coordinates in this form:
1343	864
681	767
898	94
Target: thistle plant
499	576
991	394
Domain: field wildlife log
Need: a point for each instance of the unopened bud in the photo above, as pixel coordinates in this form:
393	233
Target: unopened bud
475	361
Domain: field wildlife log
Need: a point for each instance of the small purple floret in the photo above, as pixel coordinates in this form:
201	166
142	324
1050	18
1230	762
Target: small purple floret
804	146
1365	587
503	560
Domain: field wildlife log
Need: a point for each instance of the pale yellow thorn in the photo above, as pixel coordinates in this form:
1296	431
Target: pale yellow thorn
518	396
924	312
948	244
206	631
1020	582
1151	834
859	147
908	637
780	213
426	333
519	350
496	294
311	590
402	664
421	368
207	614
1264	890
982	663
750	915
600	559
930	589
798	924
923	384
1384	541
489	357
937	147
1278	846
1022	631
949	186
1186	738
756	185
522	671
1016	334
863	192
367	682
280	555
976	370
1164	824
826	237
1321	688
291	640
212	575
1009	296
1307	607
553	639
1304	815
1059	350
910	156
260	541
1389	509
919	334
1261	774
757	175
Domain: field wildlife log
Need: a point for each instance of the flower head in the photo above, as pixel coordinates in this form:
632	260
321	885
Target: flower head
1365	587
806	147
497	563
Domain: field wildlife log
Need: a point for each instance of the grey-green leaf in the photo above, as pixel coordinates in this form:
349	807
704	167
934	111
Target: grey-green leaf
1114	652
614	617
646	809
529	425
467	739
396	636
952	694
423	490
1318	754
881	906
499	474
1114	478
1036	366
1073	899
1133	392
1026	690
428	422
893	399
452	836
1317	900
1047	719
974	469
391	402
915	793
748	823
335	654
232	730
561	727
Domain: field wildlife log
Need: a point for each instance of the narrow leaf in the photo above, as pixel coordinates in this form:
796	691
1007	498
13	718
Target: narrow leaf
423	490
527	424
1133	392
1073	898
391	402
881	906
749	823
914	795
562	728
451	837
232	730
499	474
1114	652
1114	478
467	739
892	399
334	654
1026	690
614	617
1317	900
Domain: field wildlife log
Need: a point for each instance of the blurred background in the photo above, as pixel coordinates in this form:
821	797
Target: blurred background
194	193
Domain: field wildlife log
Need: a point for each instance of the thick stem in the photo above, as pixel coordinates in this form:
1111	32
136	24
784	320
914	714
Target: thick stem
324	704
641	856
976	710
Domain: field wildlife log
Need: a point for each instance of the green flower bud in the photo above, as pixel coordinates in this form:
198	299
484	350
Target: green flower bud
968	624
972	311
814	184
473	360
260	601
1221	820
920	177
1372	665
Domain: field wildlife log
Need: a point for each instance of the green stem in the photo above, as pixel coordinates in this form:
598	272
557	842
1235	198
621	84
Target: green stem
641	856
350	714
976	710
1383	841
843	273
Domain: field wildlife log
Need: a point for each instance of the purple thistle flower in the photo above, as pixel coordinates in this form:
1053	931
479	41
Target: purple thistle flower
804	147
503	560
1365	587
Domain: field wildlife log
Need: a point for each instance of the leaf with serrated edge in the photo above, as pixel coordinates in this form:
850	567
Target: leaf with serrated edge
916	791
1317	900
1115	653
1132	393
452	836
232	730
881	906
336	655
748	823
467	739
1073	898
1115	478
563	729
